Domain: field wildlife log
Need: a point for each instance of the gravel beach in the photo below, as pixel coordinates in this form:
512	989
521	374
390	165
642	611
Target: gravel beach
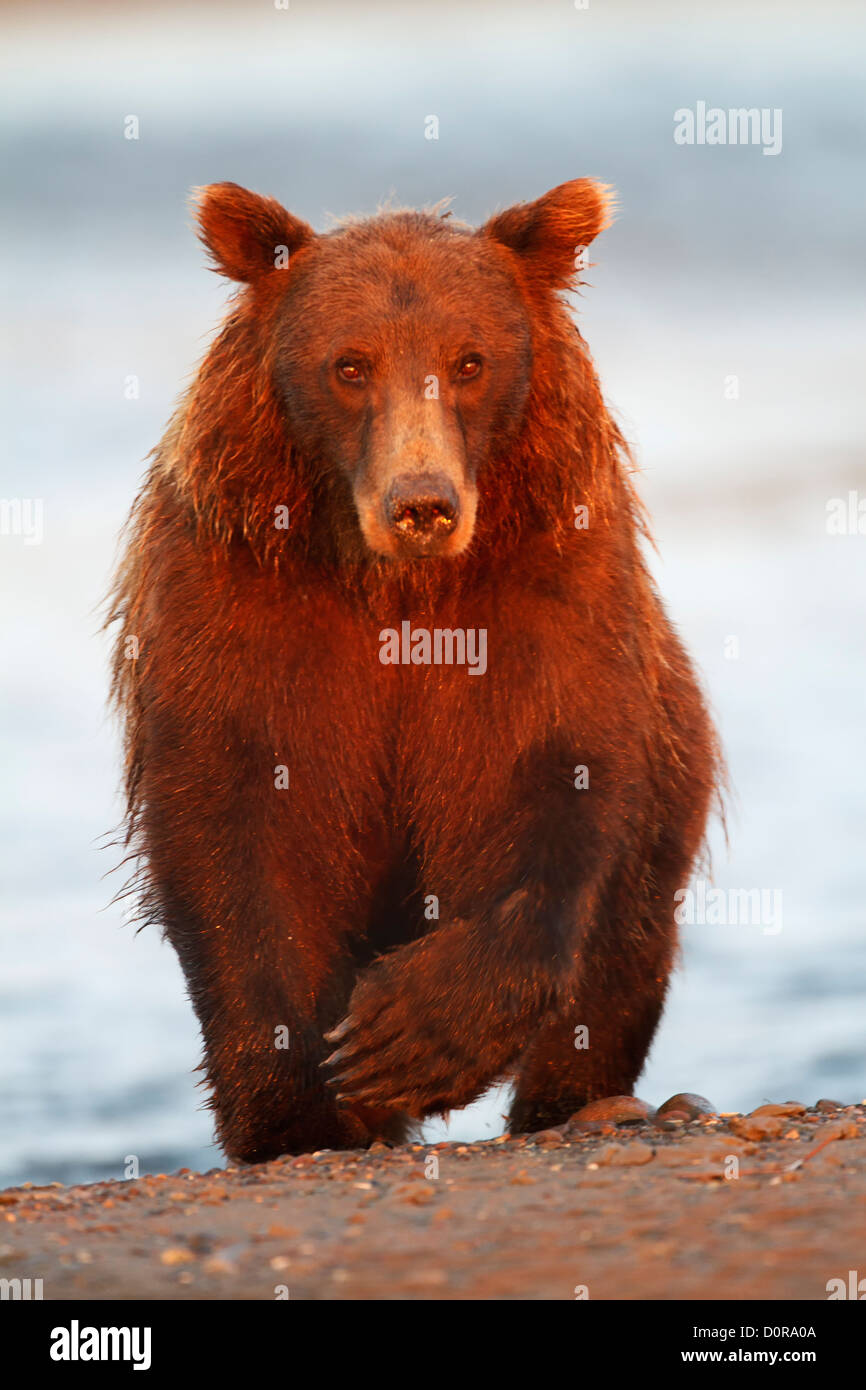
620	1203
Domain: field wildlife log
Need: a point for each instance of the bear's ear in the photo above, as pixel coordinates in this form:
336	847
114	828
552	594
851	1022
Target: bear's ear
550	233
247	235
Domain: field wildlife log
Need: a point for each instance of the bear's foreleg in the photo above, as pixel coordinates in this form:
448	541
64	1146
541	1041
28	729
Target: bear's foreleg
595	1043
431	1025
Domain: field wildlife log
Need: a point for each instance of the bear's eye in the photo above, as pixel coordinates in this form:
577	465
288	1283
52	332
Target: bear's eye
349	371
469	367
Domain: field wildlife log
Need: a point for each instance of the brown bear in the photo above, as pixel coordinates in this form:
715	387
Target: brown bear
415	760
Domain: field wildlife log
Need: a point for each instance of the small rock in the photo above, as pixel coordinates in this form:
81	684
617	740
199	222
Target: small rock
759	1127
210	1196
176	1256
826	1105
443	1214
420	1196
788	1107
613	1110
839	1129
549	1137
202	1242
674	1119
686	1103
625	1155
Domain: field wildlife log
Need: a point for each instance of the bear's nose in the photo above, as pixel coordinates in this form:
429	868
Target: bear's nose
422	509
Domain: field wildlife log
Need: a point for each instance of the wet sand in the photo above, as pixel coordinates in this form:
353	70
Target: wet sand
767	1206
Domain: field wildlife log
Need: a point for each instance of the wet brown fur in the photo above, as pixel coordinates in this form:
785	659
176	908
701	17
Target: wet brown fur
259	647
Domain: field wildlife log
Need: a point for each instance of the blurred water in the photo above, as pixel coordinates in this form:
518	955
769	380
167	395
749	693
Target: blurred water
724	262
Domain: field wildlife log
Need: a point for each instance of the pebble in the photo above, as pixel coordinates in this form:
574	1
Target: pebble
202	1242
630	1155
759	1127
788	1107
551	1138
839	1129
686	1103
522	1179
674	1119
615	1110
825	1105
419	1196
176	1256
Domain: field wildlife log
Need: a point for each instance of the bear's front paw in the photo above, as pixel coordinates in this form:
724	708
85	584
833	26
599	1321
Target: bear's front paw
399	1049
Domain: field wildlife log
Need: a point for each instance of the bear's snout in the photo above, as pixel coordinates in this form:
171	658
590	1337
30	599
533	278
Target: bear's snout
422	511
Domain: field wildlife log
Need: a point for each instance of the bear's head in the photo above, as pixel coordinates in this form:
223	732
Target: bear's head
401	349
